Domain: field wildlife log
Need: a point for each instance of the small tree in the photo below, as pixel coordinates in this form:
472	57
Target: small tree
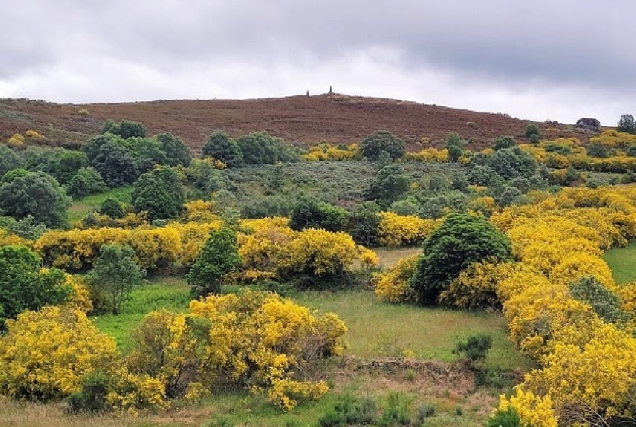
159	193
86	181
219	256
373	145
177	151
9	159
502	142
461	240
223	147
532	130
475	348
125	129
312	213
115	274
627	124
38	195
364	224
24	287
112	208
388	186
455	147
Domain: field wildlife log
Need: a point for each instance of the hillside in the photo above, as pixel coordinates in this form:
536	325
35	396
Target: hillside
302	120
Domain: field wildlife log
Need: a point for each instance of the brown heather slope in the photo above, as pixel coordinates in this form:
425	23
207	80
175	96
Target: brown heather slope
300	120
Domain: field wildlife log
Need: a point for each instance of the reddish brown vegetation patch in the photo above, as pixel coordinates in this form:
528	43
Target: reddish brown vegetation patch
300	120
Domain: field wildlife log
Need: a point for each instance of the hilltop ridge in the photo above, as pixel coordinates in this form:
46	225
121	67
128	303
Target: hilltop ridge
300	120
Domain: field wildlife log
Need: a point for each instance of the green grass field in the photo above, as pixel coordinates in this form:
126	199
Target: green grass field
81	207
622	262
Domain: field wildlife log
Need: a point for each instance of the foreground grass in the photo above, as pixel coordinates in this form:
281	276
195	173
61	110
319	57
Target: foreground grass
81	207
379	330
622	262
170	293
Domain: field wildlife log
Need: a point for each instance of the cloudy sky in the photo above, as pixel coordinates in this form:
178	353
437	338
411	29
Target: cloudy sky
558	59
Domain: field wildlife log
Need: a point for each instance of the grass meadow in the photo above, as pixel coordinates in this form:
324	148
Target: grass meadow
622	262
81	207
376	366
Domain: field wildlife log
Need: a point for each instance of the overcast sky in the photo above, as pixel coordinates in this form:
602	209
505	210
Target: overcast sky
558	59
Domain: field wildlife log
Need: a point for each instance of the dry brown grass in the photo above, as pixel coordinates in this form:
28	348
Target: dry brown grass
390	256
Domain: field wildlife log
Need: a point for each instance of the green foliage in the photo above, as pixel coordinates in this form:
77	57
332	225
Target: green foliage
603	301
436	206
115	274
24	287
112	208
388	185
13	174
532	130
261	148
510	163
9	159
312	213
219	256
482	175
125	129
223	147
474	348
598	150
455	147
159	193
85	182
63	164
460	241
505	418
146	152
38	195
373	145
502	142
204	176
26	227
627	124
349	411
363	224
92	394
113	161
176	151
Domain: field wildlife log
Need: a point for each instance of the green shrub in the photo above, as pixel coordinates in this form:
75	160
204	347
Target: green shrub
460	241
373	145
223	147
475	348
605	303
502	142
364	223
85	182
505	418
596	149
112	208
92	394
312	213
532	130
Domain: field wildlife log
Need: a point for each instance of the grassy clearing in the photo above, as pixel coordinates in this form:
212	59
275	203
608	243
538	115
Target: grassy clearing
391	256
622	262
170	293
81	207
378	329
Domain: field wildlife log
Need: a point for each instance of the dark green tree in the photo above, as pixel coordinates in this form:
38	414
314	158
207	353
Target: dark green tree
24	287
219	256
532	130
312	213
13	174
512	162
261	148
114	275
364	223
9	160
177	152
115	163
147	153
455	146
125	129
223	147
388	185
112	208
461	240
159	193
63	164
85	182
627	124
502	142
373	145
38	195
